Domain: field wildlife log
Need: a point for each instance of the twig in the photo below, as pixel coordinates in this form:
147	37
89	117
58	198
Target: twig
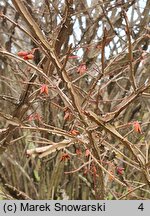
131	74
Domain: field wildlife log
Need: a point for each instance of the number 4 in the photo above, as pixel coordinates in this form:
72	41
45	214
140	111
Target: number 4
141	207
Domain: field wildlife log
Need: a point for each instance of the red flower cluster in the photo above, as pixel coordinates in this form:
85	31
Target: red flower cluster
65	157
44	89
67	115
26	55
120	170
87	152
82	69
34	116
78	151
74	132
137	127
